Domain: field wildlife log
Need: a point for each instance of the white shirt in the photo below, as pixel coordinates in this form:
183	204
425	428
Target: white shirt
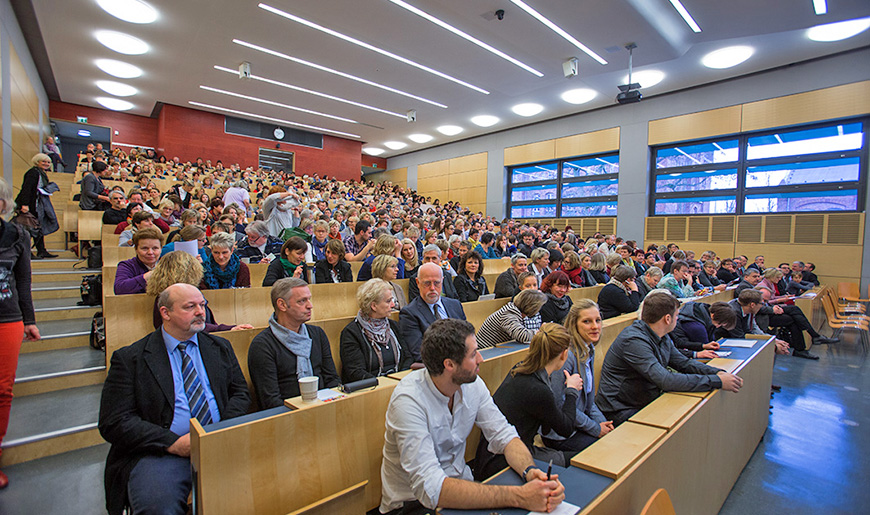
425	443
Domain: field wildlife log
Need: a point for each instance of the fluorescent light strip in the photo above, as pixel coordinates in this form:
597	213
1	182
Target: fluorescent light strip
468	37
276	104
555	28
373	48
336	72
686	16
316	93
269	118
821	7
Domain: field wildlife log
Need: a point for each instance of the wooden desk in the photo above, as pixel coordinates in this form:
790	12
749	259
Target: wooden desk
613	454
90	225
666	411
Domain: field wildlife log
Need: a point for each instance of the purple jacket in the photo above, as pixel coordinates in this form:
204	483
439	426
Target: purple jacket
129	278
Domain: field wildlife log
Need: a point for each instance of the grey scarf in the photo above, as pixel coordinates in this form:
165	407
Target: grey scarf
379	334
621	286
297	343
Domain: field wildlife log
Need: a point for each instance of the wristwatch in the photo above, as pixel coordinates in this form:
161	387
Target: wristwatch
526	472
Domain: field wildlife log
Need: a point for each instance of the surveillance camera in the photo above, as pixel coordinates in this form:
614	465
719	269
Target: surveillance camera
500	14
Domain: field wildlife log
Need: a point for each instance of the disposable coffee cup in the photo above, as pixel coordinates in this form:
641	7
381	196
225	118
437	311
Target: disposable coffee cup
308	388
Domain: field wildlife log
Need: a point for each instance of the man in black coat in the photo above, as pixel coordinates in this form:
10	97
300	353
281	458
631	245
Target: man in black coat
145	409
417	316
431	254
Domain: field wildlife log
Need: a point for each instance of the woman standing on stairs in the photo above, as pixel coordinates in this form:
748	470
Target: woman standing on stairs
34	198
17	319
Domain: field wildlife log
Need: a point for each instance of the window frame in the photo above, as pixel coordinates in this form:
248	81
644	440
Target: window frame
743	164
561	182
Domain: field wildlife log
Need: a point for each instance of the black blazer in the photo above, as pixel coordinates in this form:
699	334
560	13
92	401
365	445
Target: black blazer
273	367
138	403
322	272
612	301
468	290
708	280
29	189
447	287
358	358
417	316
276	271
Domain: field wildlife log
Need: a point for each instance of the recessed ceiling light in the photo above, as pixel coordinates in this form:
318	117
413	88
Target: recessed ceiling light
646	78
133	11
312	92
119	69
464	35
116	88
395	145
727	57
420	138
579	95
485	120
336	72
269	118
527	109
277	104
368	46
450	130
838	31
558	30
115	104
373	151
686	16
121	43
820	6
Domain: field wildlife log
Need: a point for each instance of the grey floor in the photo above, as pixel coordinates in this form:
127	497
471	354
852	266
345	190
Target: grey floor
814	458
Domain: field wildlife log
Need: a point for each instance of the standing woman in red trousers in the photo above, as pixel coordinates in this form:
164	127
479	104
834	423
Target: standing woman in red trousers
17	320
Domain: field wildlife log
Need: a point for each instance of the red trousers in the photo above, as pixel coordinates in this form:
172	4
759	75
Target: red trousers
11	335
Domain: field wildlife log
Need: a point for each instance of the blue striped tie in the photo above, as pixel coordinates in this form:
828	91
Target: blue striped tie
193	387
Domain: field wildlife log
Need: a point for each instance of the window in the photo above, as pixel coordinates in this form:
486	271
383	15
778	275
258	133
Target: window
578	187
815	168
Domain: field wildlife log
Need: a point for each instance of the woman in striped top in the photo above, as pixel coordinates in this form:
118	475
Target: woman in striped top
506	324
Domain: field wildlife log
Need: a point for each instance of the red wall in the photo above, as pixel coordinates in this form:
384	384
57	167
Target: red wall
188	134
374	162
132	129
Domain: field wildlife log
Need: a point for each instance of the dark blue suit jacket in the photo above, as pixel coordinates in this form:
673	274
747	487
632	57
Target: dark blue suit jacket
417	316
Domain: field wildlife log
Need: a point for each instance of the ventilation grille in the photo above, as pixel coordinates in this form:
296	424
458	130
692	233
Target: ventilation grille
844	229
809	228
607	225
699	228
655	229
722	228
777	229
590	227
676	229
749	229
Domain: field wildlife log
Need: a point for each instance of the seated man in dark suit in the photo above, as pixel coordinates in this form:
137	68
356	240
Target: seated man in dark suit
289	348
153	388
506	285
431	254
751	278
417	316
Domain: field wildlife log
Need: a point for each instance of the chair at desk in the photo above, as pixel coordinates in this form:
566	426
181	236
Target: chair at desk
350	500
659	504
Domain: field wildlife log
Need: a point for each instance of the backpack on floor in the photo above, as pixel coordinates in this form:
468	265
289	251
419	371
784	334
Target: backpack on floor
91	290
98	332
95	257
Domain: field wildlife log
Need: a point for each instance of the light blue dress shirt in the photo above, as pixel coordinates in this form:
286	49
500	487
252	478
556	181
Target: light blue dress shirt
181	415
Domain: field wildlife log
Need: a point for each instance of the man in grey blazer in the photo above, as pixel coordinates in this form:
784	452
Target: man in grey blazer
417	316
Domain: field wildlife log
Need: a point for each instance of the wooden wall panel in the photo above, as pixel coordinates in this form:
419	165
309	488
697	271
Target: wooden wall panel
530	153
19	78
24	122
606	140
468	163
812	106
466	179
461	179
434	169
704	124
398	176
431	184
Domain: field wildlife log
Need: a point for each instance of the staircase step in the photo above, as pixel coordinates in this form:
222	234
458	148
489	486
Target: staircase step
56	289
46	424
52	370
61	309
58	263
45	276
60	334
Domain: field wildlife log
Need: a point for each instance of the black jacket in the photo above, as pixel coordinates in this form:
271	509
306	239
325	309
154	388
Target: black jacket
707	280
692	312
550	312
358	358
16	302
600	277
138	403
29	192
273	367
468	290
322	272
506	284
726	276
612	301
276	271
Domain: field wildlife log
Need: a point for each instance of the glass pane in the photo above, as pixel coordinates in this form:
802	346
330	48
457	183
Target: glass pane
846	200
694	181
547	172
591	166
696	205
545	192
589	209
813	172
533	211
590	189
698	154
811	141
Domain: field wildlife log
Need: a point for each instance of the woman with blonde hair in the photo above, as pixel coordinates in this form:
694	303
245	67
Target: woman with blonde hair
597	268
585	327
385	245
180	267
529	404
387	268
409	254
223	269
35	199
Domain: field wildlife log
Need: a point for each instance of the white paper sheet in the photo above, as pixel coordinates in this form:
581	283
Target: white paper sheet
565	508
746	344
723	354
190	247
328	394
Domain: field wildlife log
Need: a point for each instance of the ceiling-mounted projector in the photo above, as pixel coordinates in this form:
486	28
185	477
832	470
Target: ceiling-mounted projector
629	93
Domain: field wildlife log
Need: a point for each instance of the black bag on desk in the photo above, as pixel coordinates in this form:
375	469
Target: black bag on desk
95	257
92	290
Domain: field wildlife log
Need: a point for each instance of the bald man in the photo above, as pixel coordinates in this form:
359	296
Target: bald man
430	306
152	391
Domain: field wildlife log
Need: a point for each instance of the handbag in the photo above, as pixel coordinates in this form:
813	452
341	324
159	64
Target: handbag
28	221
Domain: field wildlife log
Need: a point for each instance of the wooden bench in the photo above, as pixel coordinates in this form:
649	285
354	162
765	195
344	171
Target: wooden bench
90	225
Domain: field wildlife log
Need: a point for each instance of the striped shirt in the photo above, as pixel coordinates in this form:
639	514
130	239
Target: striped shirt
504	325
